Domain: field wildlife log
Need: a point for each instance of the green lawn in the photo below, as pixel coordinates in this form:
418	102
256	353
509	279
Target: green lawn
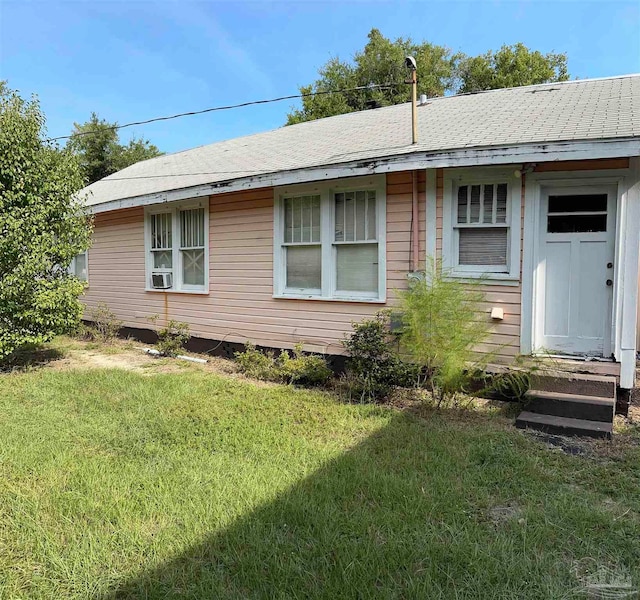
116	484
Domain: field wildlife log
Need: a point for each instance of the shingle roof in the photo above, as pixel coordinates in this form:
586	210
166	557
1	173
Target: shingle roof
578	110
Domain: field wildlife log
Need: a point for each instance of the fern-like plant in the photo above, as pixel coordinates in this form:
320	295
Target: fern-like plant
442	326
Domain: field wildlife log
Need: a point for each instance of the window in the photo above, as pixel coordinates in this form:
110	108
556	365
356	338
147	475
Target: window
330	241
481	233
481	226
356	241
577	213
302	243
177	248
79	266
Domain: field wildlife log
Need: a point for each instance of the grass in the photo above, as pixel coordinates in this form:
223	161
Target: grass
118	484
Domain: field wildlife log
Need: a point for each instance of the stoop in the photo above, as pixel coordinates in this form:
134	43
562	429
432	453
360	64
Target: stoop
570	404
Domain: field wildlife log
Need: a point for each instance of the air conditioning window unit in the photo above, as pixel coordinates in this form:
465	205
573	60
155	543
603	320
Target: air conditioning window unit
161	281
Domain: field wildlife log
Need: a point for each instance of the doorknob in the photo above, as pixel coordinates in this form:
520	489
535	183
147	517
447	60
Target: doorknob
609	282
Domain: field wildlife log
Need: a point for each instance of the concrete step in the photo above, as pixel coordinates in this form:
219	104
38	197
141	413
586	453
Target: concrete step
573	406
564	425
582	384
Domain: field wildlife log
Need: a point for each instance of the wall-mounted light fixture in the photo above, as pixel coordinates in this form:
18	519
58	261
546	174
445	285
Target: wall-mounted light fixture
525	169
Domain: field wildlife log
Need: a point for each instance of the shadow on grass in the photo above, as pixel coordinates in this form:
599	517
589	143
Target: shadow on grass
398	516
30	357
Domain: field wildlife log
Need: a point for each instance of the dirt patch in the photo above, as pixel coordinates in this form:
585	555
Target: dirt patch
633	417
505	513
602	450
129	357
94	359
576	446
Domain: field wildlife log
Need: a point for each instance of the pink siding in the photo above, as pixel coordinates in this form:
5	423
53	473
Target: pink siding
240	306
504	341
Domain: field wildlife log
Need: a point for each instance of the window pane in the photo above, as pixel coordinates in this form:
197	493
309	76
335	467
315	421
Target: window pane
349	216
303	267
462	204
501	203
302	219
297	220
315	218
339	200
361	217
483	246
192	228
576	223
372	231
161	231
80	266
358	268
306	219
193	267
487	208
475	204
162	259
288	220
578	203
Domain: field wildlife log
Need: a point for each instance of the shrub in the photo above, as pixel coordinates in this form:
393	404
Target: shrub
374	368
172	338
256	364
304	369
442	325
105	324
299	368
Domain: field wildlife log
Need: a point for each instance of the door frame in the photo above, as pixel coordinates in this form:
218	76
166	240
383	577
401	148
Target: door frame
532	288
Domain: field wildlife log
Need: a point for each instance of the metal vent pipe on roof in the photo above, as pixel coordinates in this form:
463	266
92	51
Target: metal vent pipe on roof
410	63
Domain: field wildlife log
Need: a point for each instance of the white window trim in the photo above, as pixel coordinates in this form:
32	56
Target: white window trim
174	208
72	265
328	289
453	178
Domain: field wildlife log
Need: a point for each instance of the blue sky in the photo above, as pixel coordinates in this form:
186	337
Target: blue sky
130	60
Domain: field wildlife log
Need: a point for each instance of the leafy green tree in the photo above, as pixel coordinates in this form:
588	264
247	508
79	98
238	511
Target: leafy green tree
42	227
380	62
97	145
439	72
511	66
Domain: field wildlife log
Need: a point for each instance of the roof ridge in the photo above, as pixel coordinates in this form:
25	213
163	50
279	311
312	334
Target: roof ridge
537	85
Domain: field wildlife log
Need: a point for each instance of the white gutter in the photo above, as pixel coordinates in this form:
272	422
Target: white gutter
539	152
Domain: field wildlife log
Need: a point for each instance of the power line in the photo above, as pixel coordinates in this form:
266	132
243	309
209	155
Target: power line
228	107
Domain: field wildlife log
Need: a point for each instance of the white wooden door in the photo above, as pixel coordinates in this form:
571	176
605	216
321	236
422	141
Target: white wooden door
576	253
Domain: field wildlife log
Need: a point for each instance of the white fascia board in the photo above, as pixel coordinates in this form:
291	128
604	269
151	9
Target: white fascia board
465	157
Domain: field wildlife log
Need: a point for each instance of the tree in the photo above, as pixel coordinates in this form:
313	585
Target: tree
511	66
381	62
97	145
43	225
439	72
